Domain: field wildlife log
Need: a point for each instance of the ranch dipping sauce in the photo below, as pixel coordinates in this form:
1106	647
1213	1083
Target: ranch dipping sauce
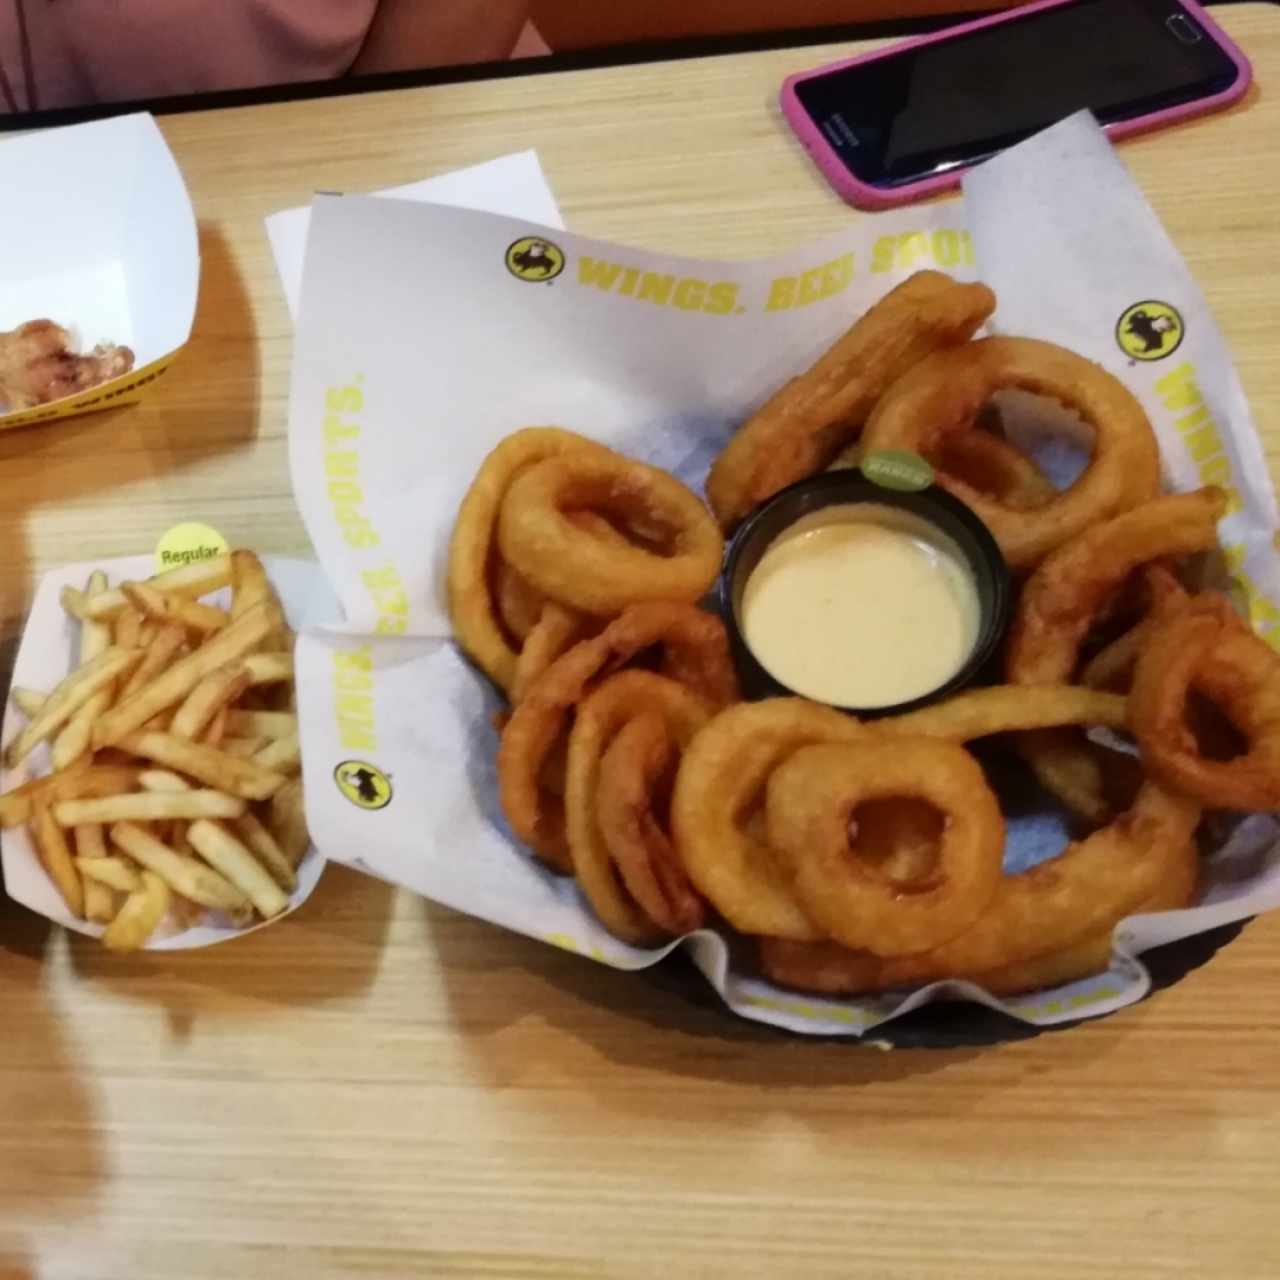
861	605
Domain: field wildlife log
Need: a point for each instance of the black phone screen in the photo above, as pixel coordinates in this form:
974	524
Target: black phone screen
937	106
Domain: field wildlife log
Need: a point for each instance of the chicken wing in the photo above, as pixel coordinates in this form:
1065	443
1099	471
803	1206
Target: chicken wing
38	366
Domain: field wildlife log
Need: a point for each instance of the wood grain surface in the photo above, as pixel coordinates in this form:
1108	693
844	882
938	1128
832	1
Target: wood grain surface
380	1088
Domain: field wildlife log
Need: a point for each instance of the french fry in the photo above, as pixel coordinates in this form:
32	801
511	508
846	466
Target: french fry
128	628
190	580
287	821
189	876
262	844
90	841
71	694
284	755
216	729
55	855
249	583
139	917
158	656
218	847
172	686
154	806
75	603
73	739
95	637
99	900
215	691
162	780
269	668
147	632
191	614
284	641
115	873
261	724
28	701
209	765
243	748
81	779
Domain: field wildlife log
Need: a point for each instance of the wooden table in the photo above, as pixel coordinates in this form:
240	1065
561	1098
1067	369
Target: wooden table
381	1088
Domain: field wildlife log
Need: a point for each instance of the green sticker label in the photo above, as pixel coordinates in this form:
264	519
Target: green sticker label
897	469
188	543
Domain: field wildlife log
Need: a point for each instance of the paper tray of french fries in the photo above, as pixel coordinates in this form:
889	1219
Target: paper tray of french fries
151	789
501	436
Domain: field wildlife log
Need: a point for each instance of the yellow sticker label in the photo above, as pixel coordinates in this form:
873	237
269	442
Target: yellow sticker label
187	544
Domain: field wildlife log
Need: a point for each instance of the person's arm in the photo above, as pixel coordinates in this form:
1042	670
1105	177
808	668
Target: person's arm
408	34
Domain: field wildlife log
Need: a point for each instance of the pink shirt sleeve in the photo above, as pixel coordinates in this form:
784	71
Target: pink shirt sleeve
82	51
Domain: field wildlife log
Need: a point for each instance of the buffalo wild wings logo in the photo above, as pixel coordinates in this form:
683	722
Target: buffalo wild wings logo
364	784
1149	330
533	259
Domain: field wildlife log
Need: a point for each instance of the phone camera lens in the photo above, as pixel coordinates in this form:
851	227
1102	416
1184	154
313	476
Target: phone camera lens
1183	28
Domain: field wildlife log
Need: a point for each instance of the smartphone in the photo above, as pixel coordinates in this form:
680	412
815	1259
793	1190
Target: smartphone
905	122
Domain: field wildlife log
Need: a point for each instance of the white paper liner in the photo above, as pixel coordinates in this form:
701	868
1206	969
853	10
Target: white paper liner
48	651
507	184
417	350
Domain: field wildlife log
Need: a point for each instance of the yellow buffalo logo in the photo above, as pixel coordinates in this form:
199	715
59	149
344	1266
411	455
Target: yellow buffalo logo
365	785
1149	330
534	259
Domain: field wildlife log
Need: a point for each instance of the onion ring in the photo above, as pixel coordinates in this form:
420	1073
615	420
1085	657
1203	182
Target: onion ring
812	808
1059	603
1092	955
557	630
1062	597
1088	887
621	858
636	769
1112	666
576	568
996	468
943	394
803	427
476	623
695	651
720	788
1008	708
517	602
1207	647
1029	709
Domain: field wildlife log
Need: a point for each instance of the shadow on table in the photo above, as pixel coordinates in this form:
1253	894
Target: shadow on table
52	1163
205	406
666	1018
329	949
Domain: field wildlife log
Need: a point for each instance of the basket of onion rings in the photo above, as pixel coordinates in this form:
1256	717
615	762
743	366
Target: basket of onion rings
858	857
1017	838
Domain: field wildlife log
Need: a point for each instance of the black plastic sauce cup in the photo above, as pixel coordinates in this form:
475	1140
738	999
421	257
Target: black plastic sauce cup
954	521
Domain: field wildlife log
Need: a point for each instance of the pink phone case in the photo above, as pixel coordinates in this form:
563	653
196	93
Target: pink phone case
865	196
